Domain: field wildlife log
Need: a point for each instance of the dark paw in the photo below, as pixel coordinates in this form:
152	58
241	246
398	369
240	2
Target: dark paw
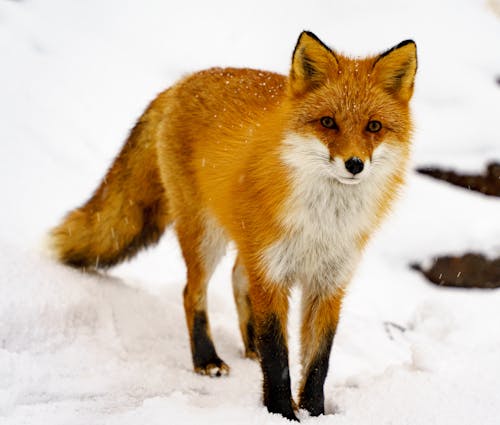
285	409
315	407
290	415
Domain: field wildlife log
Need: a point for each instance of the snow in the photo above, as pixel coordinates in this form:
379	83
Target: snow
113	349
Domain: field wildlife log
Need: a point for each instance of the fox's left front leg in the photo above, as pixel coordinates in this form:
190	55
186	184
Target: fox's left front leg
320	316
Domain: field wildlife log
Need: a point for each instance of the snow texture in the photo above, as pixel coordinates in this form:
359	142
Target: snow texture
113	349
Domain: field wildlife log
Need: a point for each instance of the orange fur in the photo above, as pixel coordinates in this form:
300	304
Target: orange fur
223	155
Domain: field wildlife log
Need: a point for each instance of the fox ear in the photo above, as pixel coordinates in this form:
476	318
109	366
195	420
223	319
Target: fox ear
395	69
311	63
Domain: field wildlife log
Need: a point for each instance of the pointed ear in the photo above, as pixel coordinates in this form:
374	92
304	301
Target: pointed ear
395	69
311	63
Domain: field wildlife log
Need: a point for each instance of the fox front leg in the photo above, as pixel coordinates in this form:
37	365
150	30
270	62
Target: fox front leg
270	309
320	316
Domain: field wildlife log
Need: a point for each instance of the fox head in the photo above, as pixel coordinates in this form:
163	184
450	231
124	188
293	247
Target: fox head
350	116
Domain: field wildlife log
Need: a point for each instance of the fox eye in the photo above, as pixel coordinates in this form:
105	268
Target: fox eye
328	122
373	126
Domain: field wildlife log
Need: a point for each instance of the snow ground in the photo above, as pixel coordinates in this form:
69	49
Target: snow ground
113	349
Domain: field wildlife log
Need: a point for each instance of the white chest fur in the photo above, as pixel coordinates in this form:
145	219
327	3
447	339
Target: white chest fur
322	221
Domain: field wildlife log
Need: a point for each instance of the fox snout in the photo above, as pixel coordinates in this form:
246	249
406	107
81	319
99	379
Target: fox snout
351	170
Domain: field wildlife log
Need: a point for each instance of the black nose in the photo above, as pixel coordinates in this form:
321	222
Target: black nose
354	165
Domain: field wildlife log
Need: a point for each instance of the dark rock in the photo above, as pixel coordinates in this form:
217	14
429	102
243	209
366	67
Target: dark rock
487	183
468	271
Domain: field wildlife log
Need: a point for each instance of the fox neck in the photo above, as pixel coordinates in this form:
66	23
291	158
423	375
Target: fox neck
326	223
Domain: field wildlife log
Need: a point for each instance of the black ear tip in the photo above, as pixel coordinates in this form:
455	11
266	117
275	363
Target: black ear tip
309	33
406	42
402	44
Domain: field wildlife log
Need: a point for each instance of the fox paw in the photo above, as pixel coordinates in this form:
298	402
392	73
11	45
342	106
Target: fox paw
213	369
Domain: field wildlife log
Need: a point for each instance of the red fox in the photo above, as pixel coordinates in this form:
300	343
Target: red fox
297	171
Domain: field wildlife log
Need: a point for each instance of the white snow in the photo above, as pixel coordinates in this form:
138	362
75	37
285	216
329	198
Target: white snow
113	349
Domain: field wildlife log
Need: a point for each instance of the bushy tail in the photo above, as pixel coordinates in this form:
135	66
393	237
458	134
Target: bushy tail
127	212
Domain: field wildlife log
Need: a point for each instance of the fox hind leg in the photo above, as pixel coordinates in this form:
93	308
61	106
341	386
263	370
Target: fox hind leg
245	314
202	243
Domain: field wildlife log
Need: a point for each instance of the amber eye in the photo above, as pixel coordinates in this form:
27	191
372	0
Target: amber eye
328	122
373	126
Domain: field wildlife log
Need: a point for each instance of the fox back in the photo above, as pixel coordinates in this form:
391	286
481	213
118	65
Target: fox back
296	170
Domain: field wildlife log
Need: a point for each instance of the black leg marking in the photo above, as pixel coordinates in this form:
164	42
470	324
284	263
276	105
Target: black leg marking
204	354
274	362
312	396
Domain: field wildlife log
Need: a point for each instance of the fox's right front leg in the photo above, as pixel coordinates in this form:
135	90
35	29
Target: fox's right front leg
270	309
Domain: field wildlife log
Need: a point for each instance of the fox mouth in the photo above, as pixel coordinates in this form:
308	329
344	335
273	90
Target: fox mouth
349	180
